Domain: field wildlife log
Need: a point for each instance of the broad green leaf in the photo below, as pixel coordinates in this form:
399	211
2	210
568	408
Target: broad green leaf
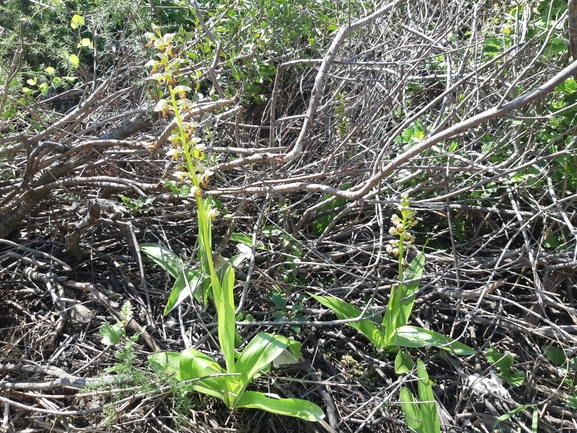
344	310
56	82
285	358
294	407
411	410
412	336
167	362
164	257
262	350
390	317
501	360
226	317
242	238
239	258
85	42
413	274
44	87
111	334
403	363
185	285
195	365
401	302
427	400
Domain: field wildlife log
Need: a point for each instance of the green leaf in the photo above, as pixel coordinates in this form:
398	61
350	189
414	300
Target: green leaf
242	239
344	310
412	336
262	350
279	301
413	274
403	363
427	400
572	401
56	82
166	362
509	414
111	334
226	317
294	407
501	360
164	257
185	286
411	410
568	86
74	60
126	311
76	21
196	365
85	42
43	87
401	302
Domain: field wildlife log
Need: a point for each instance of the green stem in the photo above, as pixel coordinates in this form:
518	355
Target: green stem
204	228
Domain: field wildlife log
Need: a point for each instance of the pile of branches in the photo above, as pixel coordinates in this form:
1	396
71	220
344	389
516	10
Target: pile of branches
405	101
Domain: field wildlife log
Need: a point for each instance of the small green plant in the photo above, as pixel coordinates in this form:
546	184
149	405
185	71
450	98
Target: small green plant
228	383
291	247
114	334
140	204
504	362
512	413
421	416
283	313
567	369
393	331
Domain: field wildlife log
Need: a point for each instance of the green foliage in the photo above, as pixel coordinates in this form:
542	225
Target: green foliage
393	331
227	383
504	362
116	333
285	314
421	416
140	204
293	249
187	280
567	369
60	41
254	36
